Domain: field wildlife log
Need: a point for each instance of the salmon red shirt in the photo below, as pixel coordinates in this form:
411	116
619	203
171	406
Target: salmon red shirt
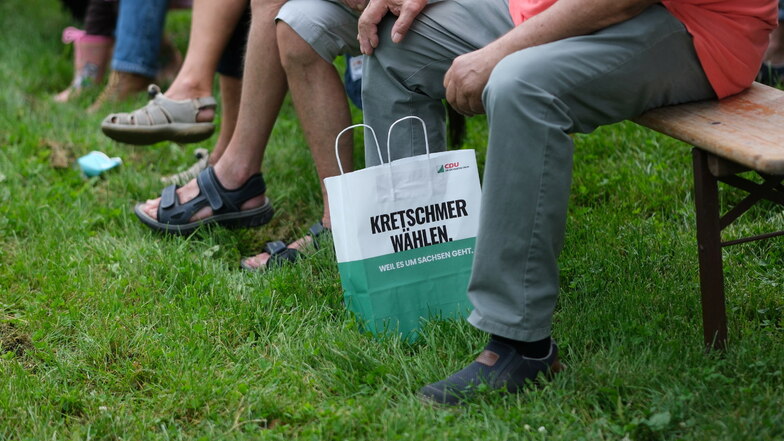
730	36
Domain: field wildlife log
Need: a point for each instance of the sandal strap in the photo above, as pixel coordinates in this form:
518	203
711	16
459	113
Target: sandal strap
161	110
171	211
315	232
280	254
151	115
199	103
164	110
221	199
208	184
205	102
317	229
211	193
169	196
275	247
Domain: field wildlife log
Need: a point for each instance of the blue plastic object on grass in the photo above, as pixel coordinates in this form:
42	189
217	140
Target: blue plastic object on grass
95	163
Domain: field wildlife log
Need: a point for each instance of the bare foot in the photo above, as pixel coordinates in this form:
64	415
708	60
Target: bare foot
121	85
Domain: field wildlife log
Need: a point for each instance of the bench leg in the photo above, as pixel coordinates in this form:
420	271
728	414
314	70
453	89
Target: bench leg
706	197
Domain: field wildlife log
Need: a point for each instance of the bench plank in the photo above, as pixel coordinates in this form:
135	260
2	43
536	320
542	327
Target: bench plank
747	128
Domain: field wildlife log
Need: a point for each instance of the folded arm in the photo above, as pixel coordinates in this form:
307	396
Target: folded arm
466	79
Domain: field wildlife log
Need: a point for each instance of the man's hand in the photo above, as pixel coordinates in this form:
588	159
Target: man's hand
357	5
406	10
467	78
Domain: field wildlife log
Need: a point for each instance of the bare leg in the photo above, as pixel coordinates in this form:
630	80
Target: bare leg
231	90
212	23
263	89
321	105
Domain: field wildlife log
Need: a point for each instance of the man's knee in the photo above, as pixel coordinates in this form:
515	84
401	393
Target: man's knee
395	61
295	52
522	76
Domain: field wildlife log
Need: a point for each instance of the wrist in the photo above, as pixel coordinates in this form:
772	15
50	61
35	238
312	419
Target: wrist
496	51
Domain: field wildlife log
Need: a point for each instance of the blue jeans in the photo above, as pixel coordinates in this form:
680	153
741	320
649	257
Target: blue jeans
138	36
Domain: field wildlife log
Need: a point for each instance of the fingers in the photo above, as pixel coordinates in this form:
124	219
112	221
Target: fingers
459	101
368	25
464	100
468	104
450	91
462	105
408	12
453	95
475	105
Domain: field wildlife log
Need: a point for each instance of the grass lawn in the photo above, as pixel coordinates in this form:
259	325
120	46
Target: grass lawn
109	331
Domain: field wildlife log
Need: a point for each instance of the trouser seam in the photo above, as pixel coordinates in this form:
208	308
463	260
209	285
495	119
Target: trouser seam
537	220
404	83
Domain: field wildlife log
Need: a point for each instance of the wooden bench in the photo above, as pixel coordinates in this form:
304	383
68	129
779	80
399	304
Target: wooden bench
741	133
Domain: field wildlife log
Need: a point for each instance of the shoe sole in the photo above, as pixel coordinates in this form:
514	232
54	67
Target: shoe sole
182	133
254	217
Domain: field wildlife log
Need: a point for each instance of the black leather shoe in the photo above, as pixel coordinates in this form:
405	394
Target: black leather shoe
499	366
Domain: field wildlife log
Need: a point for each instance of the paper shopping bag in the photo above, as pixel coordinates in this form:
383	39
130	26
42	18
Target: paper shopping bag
404	235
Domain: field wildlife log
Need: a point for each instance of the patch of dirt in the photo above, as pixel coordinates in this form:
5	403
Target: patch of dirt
61	156
13	340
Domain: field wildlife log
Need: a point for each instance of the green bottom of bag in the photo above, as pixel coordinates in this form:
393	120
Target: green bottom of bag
394	293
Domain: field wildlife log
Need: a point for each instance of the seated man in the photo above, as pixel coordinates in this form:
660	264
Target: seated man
541	69
290	46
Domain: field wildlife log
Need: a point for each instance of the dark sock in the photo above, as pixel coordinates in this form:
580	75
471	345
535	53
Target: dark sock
529	349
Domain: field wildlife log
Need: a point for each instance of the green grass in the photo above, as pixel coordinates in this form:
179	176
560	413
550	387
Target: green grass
108	331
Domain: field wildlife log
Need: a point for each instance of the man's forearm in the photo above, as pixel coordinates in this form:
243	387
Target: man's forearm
568	18
467	77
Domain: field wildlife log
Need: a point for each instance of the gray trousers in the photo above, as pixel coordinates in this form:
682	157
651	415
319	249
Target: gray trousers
534	99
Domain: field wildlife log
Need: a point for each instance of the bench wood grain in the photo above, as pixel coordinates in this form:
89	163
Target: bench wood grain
747	128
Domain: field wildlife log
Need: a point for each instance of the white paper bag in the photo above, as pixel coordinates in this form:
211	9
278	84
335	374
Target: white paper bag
404	236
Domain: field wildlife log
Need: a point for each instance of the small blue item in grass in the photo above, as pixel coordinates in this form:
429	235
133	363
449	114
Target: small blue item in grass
95	163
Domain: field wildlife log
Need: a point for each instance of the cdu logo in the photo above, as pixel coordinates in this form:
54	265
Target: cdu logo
449	166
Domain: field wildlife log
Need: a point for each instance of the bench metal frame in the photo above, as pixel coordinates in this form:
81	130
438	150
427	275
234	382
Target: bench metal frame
709	170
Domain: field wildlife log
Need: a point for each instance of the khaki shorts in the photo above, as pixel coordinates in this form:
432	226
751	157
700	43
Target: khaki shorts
328	26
